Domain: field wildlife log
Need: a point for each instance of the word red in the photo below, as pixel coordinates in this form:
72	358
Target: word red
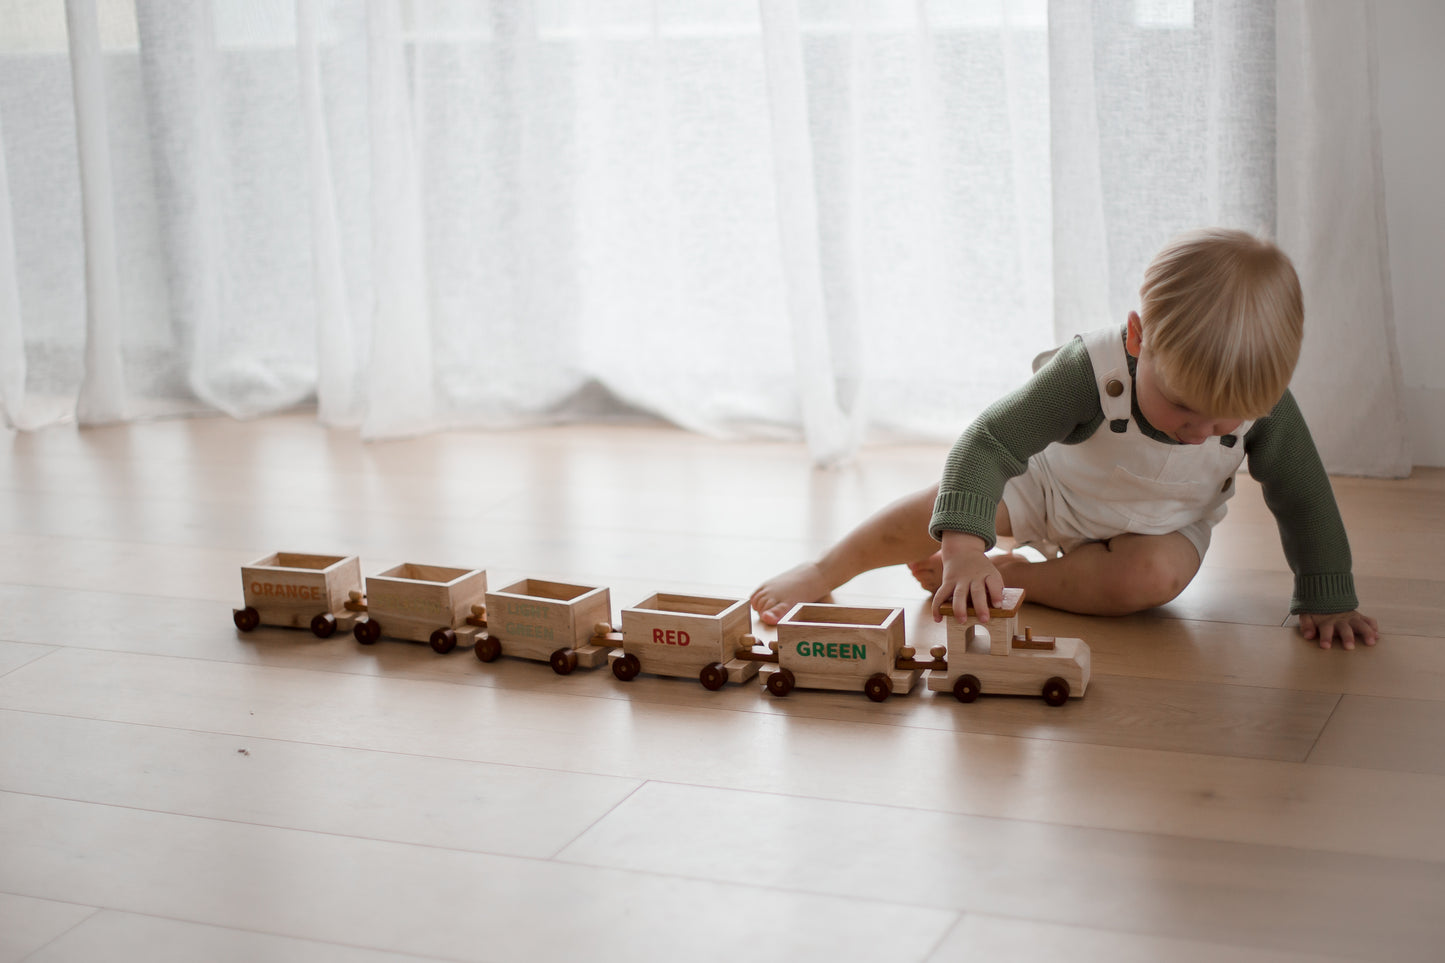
670	637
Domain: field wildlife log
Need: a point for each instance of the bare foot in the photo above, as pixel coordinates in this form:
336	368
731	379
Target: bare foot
1008	563
928	571
805	583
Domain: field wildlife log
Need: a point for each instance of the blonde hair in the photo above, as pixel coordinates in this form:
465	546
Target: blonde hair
1223	317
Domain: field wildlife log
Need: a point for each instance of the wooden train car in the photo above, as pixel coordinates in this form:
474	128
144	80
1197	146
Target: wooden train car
823	646
297	590
690	636
421	603
551	622
994	659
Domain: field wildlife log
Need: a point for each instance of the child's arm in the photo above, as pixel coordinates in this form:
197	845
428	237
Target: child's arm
968	577
1283	458
1059	403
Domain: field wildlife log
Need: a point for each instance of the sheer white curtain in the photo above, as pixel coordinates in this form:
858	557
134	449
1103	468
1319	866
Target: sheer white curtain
1249	115
839	218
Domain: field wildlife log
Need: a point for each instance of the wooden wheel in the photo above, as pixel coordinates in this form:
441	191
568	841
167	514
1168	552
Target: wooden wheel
878	687
324	625
367	631
713	676
564	661
626	666
1056	691
967	688
246	619
781	682
443	641
488	648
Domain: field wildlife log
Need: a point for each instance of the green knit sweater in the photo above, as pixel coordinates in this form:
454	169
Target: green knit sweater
1060	404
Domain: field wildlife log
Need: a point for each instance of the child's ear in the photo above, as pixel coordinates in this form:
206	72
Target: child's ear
1135	338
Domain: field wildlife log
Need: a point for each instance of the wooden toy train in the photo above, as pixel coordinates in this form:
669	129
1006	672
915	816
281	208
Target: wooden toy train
819	646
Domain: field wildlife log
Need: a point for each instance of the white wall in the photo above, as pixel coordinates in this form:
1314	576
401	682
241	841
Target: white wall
1411	36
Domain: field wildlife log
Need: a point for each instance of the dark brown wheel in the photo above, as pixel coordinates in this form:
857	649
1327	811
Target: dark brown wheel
878	687
626	666
781	682
443	641
488	648
367	631
246	619
967	688
324	625
1056	691
714	676
564	661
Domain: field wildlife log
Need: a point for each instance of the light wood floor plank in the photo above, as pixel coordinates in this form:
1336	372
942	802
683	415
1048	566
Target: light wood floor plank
453	804
128	936
979	936
1264	896
422	900
1208	797
1367	732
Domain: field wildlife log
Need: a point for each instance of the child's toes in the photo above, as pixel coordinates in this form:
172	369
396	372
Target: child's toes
774	614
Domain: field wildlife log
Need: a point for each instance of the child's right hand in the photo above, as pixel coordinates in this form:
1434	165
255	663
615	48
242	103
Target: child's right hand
968	576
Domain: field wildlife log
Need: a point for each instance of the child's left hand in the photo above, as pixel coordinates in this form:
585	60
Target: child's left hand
1348	627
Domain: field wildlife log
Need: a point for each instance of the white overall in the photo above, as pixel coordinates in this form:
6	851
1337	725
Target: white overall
1121	480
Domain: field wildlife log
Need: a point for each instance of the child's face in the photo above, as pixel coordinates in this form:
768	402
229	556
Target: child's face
1167	412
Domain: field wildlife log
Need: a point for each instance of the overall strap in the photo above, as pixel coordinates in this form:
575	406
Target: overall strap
1111	375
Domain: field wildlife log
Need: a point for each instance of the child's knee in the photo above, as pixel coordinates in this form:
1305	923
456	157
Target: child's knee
1154	575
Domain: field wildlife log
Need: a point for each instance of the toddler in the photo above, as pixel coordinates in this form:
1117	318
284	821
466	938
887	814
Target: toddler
1117	458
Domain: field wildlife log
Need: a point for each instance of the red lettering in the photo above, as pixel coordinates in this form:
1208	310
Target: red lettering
670	637
657	636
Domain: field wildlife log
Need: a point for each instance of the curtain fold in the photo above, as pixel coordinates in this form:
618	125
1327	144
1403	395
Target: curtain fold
831	431
831	220
12	334
1332	221
102	395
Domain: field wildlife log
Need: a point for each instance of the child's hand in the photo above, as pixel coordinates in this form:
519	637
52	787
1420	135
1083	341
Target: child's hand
1348	627
968	575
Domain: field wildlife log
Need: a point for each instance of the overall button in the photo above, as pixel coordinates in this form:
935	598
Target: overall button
1115	387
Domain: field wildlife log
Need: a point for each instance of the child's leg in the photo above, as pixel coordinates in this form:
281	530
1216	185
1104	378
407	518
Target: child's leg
1126	574
892	536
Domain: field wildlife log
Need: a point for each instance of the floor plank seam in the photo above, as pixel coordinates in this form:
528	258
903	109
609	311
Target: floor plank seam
948	931
1320	735
29	662
556	855
94	912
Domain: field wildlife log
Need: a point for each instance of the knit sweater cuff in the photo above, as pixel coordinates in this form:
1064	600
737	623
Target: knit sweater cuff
1324	594
964	512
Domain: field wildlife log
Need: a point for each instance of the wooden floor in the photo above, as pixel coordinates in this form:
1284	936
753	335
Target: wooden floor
173	790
